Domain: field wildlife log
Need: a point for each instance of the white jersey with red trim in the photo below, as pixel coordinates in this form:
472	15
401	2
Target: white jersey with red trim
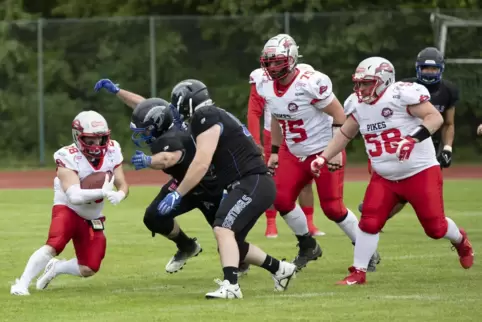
299	110
71	158
259	75
386	122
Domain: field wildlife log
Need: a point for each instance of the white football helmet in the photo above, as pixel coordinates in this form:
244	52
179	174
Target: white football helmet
91	134
372	77
279	56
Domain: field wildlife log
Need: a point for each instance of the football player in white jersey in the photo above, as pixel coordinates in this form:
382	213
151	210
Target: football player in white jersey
396	121
306	113
256	109
77	213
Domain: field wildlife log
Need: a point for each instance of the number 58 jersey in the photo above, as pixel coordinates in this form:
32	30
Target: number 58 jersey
384	123
71	158
299	110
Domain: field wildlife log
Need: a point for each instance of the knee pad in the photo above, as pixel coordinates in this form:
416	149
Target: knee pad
334	209
243	250
436	231
370	225
157	224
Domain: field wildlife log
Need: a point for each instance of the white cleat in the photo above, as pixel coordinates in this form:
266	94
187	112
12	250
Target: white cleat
226	291
178	261
283	276
19	289
48	275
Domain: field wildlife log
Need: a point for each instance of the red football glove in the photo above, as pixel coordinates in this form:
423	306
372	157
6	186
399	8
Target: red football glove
405	148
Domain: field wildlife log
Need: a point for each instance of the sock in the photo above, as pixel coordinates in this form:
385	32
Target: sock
231	274
306	241
308	211
365	247
270	264
35	265
296	219
182	241
453	232
349	225
70	267
271	216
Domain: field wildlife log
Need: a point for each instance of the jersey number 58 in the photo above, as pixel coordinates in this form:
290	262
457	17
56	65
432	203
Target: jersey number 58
384	141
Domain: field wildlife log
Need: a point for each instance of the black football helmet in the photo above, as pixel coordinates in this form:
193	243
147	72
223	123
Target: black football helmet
188	95
430	57
150	119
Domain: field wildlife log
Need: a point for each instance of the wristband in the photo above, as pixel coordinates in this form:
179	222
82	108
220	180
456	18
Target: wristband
274	149
420	133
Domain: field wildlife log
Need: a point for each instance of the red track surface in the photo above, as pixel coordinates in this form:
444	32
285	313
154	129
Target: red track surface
44	178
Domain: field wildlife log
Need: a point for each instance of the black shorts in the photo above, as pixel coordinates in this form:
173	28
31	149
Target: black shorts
247	199
207	203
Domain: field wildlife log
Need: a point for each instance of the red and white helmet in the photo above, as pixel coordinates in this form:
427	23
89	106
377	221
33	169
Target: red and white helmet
279	56
90	124
372	77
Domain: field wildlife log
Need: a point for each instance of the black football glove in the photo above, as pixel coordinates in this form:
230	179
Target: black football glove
445	158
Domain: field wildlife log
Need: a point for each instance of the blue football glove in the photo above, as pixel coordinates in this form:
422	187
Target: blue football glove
170	201
140	160
177	120
108	85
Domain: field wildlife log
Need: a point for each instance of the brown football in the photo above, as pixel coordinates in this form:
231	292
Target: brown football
94	180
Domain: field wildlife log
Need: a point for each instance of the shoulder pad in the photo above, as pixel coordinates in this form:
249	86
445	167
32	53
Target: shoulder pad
305	67
67	157
411	93
350	103
319	85
116	150
257	76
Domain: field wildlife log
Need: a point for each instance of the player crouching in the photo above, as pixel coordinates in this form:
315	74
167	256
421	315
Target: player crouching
76	213
396	121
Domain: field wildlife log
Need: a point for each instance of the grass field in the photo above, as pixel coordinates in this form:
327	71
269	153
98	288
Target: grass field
418	279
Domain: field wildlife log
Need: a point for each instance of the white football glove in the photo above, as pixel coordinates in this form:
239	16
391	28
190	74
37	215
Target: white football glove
108	186
115	197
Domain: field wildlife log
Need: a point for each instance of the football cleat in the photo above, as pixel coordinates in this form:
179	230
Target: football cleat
48	275
374	261
283	276
357	276
179	259
19	289
226	290
306	255
465	251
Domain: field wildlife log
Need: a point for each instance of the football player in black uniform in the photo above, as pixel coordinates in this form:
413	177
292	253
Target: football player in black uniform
223	142
172	151
444	94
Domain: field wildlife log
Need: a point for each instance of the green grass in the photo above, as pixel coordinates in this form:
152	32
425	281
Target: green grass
418	280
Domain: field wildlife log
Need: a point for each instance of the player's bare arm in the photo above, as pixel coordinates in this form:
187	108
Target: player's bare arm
276	140
448	128
129	98
432	119
340	140
165	160
77	196
206	144
335	110
120	181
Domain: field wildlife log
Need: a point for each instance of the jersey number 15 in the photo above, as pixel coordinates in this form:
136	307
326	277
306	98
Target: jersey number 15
294	127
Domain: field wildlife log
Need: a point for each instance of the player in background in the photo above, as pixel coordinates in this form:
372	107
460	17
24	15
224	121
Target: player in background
256	108
172	151
77	213
224	145
306	114
396	121
444	95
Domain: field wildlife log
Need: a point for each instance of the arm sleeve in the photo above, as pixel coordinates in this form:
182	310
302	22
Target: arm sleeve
255	110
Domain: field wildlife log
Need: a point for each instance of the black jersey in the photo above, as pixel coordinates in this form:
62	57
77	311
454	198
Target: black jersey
236	155
443	95
178	140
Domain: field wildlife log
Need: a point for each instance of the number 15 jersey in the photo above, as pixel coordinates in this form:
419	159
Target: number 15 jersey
384	123
299	110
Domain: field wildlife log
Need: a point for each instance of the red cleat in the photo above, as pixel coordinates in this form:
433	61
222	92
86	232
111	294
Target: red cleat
465	251
314	231
271	230
356	277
